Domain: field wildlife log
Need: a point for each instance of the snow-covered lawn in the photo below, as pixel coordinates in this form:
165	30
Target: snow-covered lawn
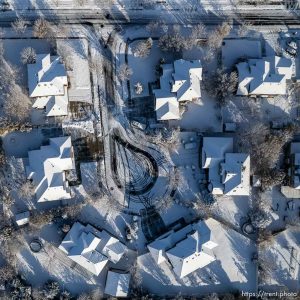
201	115
187	164
232	270
234	49
279	209
13	49
52	263
19	143
284	255
233	209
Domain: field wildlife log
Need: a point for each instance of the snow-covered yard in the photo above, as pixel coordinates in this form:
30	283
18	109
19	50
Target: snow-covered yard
18	143
52	263
232	270
13	49
187	165
235	49
202	115
283	255
144	69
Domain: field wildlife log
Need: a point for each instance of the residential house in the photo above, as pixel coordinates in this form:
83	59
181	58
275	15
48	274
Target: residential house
187	249
293	189
46	169
264	77
90	248
48	85
117	284
179	83
228	172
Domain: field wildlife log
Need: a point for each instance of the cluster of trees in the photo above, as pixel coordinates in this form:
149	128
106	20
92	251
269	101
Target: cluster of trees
16	103
265	147
221	85
175	41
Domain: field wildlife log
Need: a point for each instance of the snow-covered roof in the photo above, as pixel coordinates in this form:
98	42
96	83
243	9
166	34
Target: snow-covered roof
167	108
295	165
79	74
265	76
91	248
179	82
236	174
53	105
229	173
117	284
187	249
186	79
47	82
22	218
46	168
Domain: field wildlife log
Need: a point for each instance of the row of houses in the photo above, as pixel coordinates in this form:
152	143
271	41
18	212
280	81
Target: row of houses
180	82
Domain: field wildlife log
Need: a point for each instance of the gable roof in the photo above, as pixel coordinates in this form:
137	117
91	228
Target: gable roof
47	166
46	77
179	82
187	249
228	173
236	174
265	76
117	284
167	108
91	248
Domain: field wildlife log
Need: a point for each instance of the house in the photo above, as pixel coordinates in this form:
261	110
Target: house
187	249
48	85
228	172
294	170
117	284
293	189
264	77
179	83
90	248
46	169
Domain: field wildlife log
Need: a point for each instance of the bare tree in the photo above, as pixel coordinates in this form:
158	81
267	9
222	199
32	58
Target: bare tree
259	218
138	88
6	273
216	37
125	72
164	203
51	290
65	52
28	56
213	296
155	27
142	49
26	190
17	104
221	84
265	238
41	219
80	2
244	28
43	29
173	42
198	32
19	25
